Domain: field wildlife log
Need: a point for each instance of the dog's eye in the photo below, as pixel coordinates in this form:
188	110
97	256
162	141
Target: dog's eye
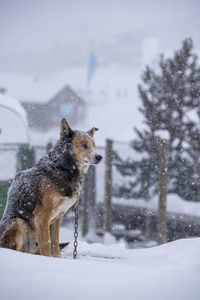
85	146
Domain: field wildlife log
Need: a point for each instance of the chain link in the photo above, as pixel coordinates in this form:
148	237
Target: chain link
75	231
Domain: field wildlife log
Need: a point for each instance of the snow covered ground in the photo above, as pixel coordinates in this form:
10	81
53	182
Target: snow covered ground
170	271
174	204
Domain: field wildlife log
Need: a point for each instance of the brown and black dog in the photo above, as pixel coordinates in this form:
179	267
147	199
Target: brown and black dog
39	197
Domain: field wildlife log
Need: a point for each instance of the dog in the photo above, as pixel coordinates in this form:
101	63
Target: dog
39	197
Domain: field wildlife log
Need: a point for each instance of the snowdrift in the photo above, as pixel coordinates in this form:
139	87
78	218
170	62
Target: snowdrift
170	271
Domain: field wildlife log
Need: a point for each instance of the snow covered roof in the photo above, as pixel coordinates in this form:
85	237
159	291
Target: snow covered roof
13	121
13	105
28	88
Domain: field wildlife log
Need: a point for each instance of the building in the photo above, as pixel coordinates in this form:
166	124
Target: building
46	116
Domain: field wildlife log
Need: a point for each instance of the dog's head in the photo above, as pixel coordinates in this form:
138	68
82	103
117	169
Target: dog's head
80	144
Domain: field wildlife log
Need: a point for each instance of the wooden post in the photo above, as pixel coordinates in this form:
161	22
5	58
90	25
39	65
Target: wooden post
163	181
92	198
108	187
85	206
89	201
144	181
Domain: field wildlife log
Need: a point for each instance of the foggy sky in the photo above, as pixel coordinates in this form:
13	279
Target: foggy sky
66	31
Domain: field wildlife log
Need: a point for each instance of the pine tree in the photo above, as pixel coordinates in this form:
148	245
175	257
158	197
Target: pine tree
170	102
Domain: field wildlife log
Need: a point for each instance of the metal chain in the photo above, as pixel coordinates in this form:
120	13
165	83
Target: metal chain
75	231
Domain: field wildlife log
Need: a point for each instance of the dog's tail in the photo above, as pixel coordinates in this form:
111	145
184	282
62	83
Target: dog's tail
63	245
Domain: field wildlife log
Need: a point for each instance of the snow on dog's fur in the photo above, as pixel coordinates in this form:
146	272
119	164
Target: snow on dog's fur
39	197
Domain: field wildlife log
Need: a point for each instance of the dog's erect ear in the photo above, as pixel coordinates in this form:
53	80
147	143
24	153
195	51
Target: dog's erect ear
64	129
92	131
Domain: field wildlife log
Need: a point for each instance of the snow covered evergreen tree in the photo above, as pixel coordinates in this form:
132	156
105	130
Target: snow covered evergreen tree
170	102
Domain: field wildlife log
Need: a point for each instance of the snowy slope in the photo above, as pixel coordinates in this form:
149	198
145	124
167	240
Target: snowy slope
164	272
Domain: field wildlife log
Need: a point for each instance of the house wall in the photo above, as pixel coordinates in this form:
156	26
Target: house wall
48	115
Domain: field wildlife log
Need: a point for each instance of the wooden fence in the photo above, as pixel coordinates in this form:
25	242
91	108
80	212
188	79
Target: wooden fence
98	213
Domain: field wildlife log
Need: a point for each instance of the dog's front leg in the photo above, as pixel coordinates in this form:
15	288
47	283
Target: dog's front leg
54	232
43	234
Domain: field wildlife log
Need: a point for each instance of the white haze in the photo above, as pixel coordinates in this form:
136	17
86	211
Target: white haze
47	44
48	36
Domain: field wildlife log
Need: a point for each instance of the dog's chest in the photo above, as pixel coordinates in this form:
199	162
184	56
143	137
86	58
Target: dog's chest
62	204
62	207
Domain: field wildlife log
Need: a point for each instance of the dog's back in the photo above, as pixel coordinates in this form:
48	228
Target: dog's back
23	195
